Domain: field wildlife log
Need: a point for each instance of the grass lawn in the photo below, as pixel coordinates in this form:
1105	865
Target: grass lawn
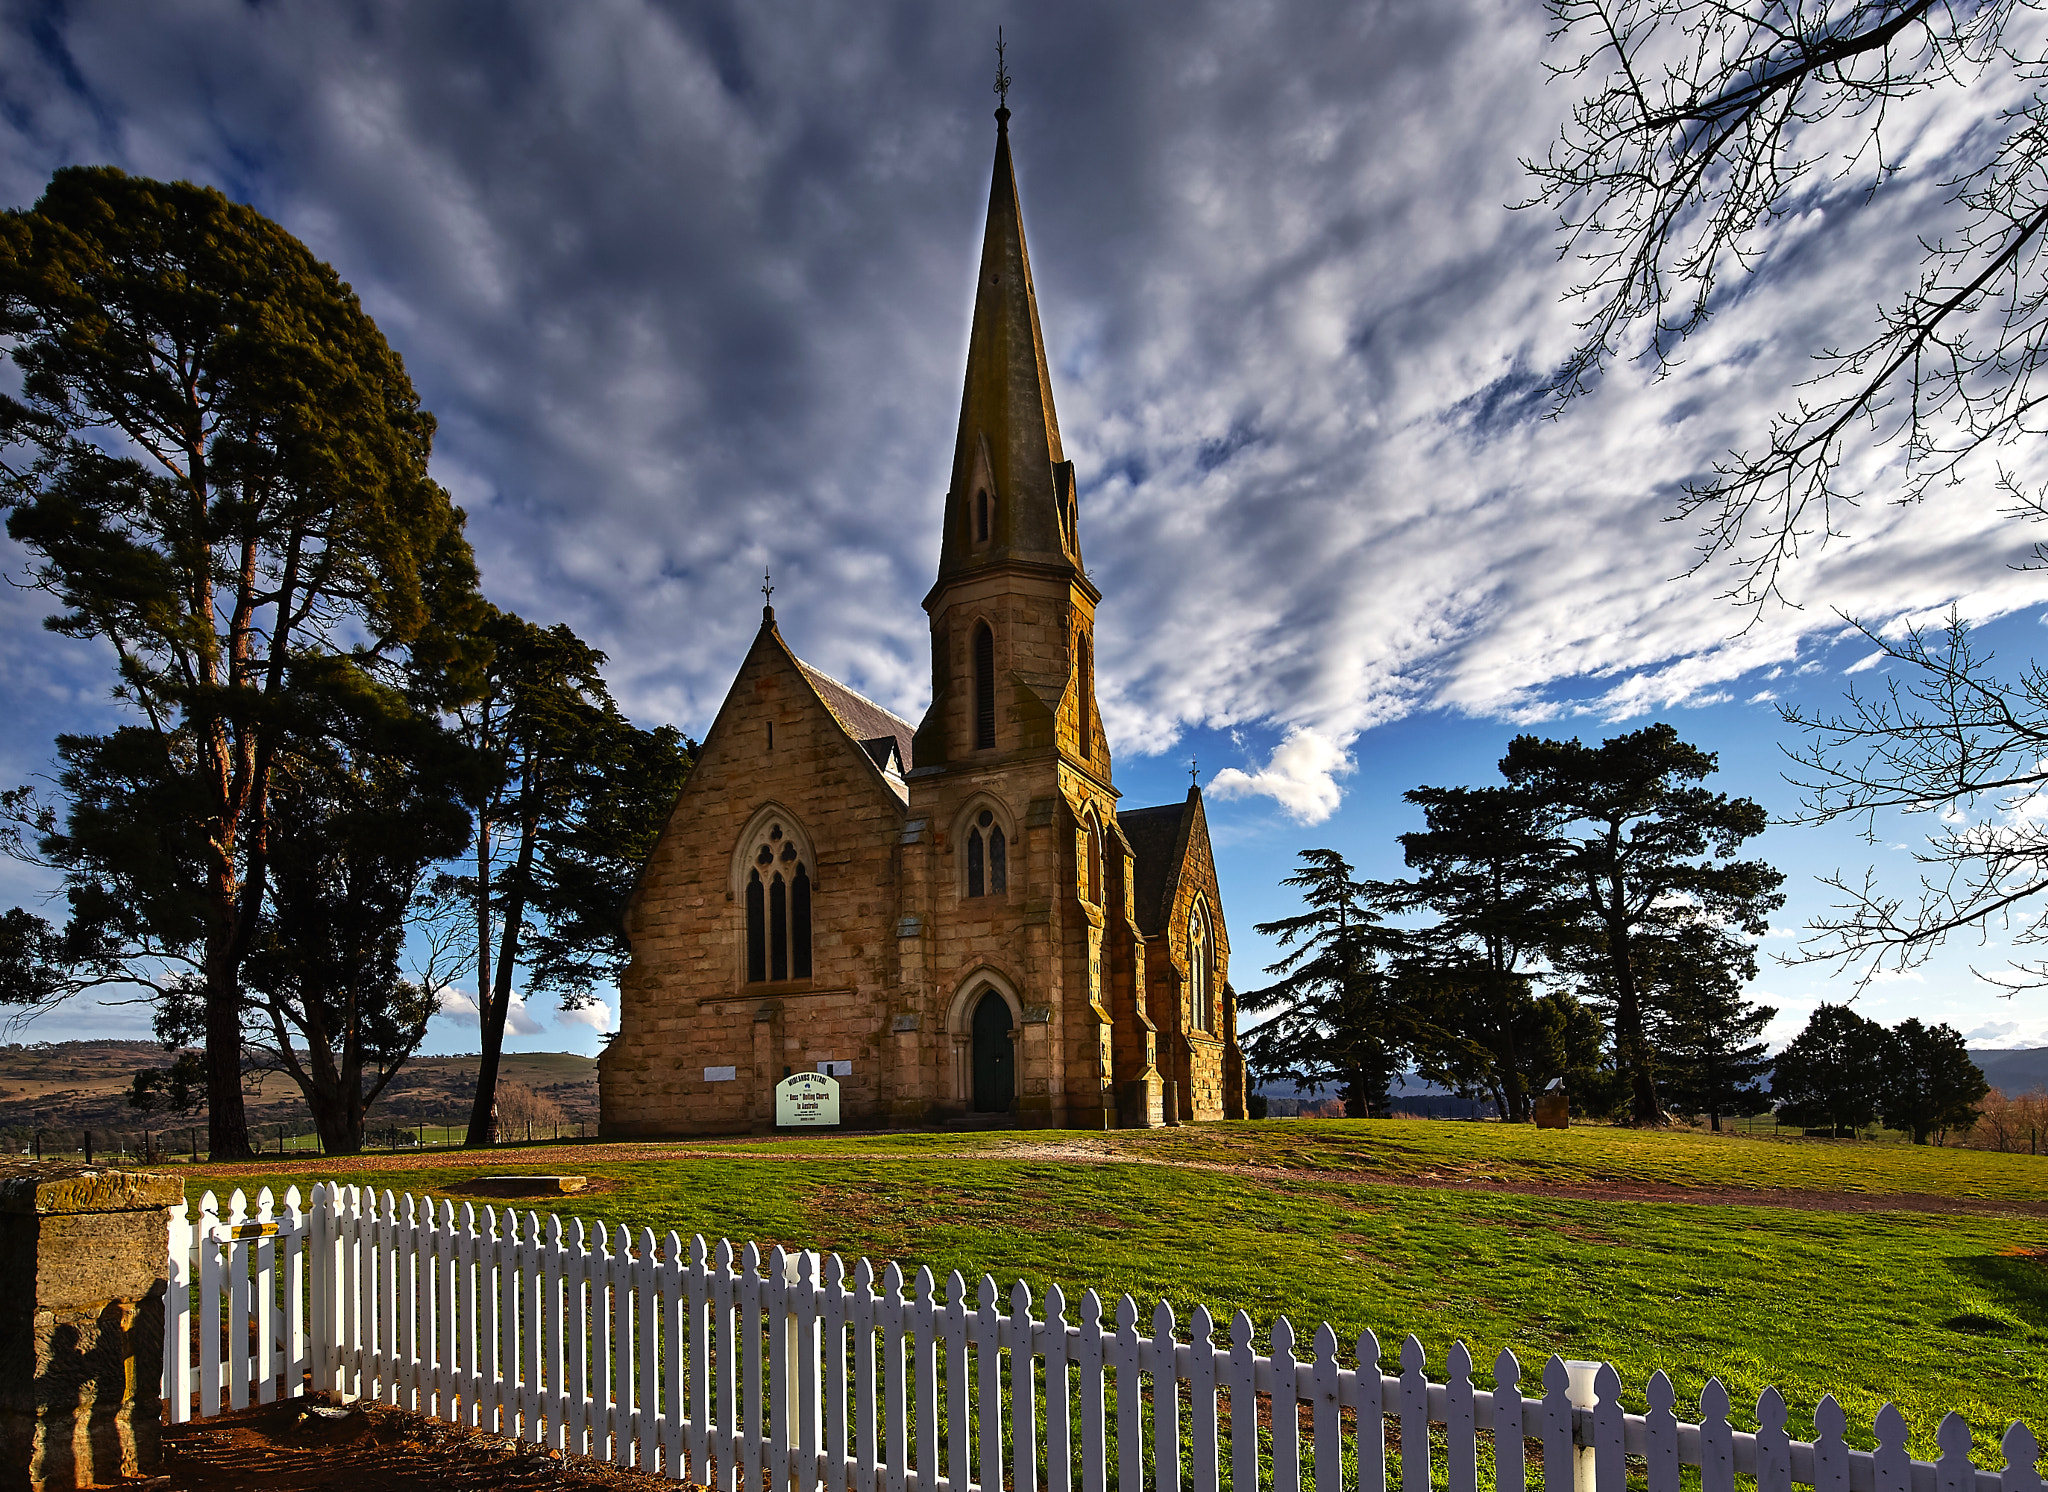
1311	1219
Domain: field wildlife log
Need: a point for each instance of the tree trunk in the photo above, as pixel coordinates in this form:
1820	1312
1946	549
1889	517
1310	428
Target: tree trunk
1644	1106
338	1122
483	1116
227	1124
500	1006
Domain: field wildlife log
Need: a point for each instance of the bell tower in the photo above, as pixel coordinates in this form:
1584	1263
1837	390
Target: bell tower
1013	611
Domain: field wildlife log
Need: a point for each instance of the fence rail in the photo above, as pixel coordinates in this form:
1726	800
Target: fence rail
687	1359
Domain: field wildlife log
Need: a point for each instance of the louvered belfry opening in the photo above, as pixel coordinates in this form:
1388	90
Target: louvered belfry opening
984	687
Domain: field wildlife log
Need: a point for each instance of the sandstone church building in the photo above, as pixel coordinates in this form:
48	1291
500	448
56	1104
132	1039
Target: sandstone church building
953	919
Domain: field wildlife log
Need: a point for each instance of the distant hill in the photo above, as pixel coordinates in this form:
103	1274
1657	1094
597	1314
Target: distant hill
2013	1069
76	1085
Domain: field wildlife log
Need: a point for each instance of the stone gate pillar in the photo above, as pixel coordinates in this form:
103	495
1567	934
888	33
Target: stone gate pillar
82	1257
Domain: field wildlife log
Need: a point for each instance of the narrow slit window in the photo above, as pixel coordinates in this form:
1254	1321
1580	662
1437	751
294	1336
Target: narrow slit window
998	861
974	873
981	517
1094	863
1083	679
984	687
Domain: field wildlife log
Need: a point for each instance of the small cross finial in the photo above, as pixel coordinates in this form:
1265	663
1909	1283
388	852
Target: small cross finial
767	590
1002	88
1194	774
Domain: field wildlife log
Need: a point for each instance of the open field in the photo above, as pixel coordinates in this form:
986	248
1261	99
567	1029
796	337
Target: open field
1874	1272
69	1086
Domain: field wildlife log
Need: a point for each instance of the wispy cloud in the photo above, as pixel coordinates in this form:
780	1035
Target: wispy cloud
688	290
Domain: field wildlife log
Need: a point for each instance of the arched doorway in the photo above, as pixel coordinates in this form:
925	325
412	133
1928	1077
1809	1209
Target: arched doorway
995	1060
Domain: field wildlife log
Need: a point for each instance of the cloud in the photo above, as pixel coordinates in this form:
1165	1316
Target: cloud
687	289
461	1005
1301	776
1991	1031
597	1015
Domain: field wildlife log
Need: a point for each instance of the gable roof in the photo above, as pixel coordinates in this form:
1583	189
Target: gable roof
1158	838
878	732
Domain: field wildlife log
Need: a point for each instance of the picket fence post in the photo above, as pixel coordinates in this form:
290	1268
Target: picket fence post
616	1344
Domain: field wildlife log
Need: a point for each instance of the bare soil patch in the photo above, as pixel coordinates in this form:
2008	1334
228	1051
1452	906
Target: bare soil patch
288	1447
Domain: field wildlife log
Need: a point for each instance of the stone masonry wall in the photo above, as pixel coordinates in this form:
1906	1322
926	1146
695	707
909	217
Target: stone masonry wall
684	1002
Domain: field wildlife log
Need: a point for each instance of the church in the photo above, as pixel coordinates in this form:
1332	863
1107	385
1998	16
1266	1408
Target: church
954	919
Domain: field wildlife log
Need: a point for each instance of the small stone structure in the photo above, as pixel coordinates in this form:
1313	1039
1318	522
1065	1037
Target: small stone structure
82	1252
1553	1107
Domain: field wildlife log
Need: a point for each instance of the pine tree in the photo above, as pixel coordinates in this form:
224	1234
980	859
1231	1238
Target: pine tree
1831	1073
1930	1082
1708	1038
1337	1017
1644	851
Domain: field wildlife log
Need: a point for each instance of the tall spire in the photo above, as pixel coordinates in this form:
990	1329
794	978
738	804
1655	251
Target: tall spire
1012	492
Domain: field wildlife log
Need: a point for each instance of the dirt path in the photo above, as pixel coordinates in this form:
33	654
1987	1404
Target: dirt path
577	1157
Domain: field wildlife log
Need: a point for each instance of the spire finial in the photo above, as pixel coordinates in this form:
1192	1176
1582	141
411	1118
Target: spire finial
1194	774
1002	88
767	598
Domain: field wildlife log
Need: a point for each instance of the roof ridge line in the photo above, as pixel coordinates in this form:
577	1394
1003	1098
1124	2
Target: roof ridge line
842	684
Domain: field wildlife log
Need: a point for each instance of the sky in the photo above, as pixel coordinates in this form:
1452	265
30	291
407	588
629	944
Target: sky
687	288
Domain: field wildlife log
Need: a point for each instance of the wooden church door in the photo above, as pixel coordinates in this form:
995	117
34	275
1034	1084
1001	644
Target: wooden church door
995	1063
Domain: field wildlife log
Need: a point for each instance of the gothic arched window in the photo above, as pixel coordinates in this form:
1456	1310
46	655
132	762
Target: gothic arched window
1201	971
984	687
1094	862
778	906
988	857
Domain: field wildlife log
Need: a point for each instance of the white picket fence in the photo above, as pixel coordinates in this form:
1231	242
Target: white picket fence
692	1361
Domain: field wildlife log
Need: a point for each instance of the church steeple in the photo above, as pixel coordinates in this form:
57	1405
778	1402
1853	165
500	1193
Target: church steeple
1013	611
1012	492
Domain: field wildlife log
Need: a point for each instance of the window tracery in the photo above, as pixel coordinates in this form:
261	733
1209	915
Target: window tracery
778	906
1201	970
988	856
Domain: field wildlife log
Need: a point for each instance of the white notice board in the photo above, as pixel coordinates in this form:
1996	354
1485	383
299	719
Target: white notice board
807	1098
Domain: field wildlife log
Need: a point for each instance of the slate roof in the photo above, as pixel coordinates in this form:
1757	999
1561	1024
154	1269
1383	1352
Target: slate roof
1158	840
877	731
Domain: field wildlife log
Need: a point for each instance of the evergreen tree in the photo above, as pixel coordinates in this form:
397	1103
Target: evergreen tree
1642	851
1503	1042
573	803
1832	1073
224	475
1487	868
1930	1083
1337	1017
1708	1038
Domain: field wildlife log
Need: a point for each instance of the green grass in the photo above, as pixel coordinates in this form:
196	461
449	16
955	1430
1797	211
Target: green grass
1583	1156
1935	1312
1426	1151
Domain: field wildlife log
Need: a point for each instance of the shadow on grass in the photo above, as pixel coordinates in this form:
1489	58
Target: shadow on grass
2015	1284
